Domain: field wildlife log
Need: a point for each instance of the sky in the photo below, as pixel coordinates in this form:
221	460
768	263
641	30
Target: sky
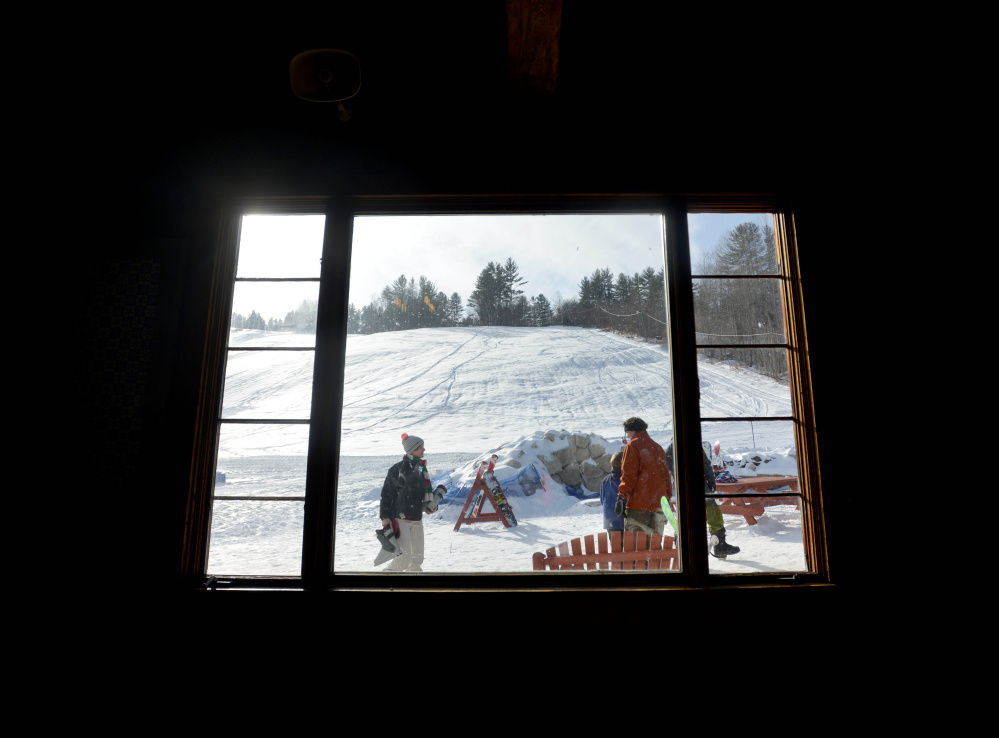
553	252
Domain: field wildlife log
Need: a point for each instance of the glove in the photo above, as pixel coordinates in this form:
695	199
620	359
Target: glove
619	507
432	498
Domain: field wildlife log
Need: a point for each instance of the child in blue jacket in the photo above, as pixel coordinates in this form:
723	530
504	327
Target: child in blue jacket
608	495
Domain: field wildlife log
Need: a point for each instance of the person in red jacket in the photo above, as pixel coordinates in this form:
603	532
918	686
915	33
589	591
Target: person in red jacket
644	480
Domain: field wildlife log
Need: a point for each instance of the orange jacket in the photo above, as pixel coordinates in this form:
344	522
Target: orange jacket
644	474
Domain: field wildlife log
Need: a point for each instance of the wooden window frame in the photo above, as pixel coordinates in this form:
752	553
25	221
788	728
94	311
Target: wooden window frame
322	471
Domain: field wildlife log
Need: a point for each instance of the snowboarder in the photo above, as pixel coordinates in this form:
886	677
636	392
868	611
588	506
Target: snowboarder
716	524
406	497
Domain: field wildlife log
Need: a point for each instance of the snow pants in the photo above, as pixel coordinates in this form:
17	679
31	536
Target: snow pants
647	521
653	521
714	516
411	544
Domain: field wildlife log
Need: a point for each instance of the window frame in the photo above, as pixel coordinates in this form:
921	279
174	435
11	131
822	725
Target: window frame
328	377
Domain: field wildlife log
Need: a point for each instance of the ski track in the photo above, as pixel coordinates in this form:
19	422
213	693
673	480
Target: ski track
489	381
554	388
361	378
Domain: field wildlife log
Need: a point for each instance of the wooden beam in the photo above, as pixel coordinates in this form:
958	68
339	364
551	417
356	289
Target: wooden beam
533	28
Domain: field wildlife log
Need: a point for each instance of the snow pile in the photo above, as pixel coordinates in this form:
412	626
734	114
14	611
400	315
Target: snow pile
752	462
568	458
535	471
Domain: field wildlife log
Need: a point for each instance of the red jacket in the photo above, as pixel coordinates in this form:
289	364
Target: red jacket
644	474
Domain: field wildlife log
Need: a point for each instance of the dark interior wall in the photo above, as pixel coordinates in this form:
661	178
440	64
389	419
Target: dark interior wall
435	115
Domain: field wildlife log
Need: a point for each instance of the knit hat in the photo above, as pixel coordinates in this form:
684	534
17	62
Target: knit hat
411	443
635	424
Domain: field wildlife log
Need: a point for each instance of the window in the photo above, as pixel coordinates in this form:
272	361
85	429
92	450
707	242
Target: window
747	423
263	444
332	423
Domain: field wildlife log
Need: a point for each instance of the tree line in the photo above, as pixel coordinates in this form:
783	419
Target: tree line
406	304
734	311
742	311
634	304
300	320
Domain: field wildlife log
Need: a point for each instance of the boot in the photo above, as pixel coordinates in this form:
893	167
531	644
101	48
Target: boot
720	549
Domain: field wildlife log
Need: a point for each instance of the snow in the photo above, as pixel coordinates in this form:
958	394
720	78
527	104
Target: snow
521	393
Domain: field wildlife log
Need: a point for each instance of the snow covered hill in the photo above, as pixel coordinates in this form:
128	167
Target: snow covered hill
470	392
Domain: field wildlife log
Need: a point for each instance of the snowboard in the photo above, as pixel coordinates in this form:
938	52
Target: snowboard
668	511
390	545
486	472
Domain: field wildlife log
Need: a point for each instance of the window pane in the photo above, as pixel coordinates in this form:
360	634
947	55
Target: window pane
259	537
732	243
274	314
744	383
265	380
257	459
741	311
753	459
262	385
532	337
755	465
272	246
256	538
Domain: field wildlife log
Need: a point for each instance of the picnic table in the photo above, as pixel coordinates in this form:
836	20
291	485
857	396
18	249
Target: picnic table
761	489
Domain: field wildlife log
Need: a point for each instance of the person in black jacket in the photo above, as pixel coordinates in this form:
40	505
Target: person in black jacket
406	497
720	548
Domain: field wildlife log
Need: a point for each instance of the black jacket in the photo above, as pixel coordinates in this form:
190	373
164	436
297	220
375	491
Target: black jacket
709	471
403	491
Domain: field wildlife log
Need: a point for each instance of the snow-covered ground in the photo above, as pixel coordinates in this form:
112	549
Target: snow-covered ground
471	392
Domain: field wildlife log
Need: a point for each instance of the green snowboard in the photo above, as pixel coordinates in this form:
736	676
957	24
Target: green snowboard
669	515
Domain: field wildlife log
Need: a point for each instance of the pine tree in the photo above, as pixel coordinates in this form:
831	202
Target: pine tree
511	294
456	311
542	311
255	321
486	298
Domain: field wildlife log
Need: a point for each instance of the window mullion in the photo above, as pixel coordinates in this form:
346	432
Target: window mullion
327	398
686	394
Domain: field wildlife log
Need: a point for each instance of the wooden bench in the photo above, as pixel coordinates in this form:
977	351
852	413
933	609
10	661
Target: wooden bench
751	507
627	551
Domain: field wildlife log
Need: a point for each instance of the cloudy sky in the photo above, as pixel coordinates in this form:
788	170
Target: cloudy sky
553	252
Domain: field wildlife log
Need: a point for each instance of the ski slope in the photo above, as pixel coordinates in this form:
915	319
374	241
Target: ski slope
469	389
470	392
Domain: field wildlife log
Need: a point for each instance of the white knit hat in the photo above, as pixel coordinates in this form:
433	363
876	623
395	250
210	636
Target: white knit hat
411	443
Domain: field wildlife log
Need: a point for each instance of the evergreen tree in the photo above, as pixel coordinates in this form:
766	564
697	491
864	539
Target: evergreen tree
353	319
425	314
305	316
622	289
486	298
511	294
456	311
399	299
255	321
542	311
